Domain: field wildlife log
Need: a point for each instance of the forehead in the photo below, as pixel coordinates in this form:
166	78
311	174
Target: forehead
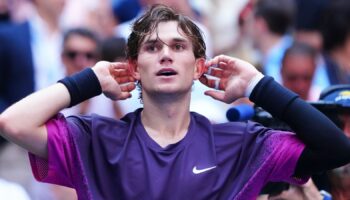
79	41
167	31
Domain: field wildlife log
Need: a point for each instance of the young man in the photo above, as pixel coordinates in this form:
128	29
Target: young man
163	151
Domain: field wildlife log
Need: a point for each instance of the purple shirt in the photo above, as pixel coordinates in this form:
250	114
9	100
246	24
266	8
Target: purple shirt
104	158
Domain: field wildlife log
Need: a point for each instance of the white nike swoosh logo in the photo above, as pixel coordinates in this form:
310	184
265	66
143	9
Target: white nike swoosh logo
199	171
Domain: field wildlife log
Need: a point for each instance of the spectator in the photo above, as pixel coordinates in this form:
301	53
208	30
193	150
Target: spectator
82	49
298	69
309	19
5	16
125	10
270	32
335	103
32	48
29	60
336	42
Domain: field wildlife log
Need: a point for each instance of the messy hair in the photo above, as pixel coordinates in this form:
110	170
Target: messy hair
147	24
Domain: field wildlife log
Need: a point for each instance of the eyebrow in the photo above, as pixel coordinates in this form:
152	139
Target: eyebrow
152	41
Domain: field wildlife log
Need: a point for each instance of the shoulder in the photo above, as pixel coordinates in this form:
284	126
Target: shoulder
14	35
96	122
14	28
249	128
100	126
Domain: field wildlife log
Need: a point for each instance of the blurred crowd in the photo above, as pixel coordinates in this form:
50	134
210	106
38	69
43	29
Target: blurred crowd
304	45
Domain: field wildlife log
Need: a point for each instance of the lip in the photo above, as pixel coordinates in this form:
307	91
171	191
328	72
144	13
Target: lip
166	72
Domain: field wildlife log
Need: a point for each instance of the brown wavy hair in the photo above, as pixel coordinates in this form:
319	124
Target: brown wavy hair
147	24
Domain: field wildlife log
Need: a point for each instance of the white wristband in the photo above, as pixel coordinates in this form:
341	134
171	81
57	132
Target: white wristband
252	83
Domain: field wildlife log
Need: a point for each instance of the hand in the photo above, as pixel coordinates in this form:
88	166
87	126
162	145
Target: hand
232	77
115	79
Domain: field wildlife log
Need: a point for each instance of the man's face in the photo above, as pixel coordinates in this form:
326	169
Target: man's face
345	118
166	62
297	73
78	53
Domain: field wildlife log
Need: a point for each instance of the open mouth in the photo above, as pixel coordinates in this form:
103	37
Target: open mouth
166	72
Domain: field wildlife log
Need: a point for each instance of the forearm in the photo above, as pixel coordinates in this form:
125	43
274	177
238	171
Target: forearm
325	143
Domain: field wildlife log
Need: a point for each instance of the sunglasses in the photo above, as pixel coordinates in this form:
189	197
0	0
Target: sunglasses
73	54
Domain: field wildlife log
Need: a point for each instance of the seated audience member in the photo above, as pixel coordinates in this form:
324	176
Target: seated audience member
298	69
269	30
81	49
335	102
308	23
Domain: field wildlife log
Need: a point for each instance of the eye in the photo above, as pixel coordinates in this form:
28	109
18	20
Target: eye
178	47
153	47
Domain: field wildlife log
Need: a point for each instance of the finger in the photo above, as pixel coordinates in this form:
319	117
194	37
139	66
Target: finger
217	84
125	79
221	61
217	59
214	71
124	95
222	69
127	87
120	72
119	65
215	94
224	59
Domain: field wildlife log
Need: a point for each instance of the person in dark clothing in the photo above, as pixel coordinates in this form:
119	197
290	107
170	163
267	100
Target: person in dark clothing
336	42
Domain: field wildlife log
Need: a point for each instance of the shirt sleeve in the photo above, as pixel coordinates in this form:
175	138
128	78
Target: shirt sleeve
285	150
62	166
273	158
271	155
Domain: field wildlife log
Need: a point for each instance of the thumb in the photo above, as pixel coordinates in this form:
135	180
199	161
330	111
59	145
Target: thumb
220	96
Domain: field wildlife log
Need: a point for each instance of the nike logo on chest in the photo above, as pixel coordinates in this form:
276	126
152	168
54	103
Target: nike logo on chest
195	170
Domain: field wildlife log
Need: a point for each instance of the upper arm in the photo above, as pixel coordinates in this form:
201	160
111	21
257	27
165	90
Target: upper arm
34	142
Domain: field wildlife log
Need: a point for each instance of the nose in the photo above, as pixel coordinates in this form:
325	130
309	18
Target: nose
166	55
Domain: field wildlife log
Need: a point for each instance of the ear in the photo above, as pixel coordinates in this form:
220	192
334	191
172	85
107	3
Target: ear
199	68
133	68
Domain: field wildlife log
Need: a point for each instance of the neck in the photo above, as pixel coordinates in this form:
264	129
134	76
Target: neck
267	42
166	120
50	19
